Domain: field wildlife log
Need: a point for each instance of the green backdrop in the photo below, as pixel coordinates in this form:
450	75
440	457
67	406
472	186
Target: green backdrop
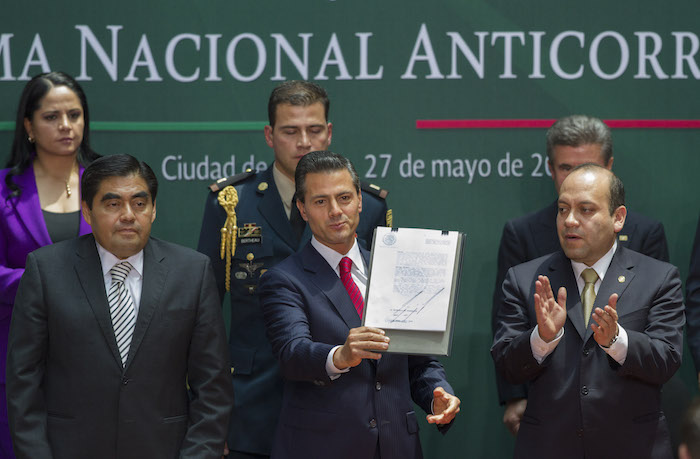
184	85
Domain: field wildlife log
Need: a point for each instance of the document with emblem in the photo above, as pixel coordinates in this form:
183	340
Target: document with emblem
413	286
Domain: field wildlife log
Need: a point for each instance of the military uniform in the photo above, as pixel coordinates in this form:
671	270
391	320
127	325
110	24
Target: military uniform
264	238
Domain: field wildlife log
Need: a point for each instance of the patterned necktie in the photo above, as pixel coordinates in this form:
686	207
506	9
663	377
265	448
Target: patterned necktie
588	295
350	285
121	308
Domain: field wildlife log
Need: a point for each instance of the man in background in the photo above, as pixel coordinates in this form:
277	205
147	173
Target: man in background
692	302
690	433
263	227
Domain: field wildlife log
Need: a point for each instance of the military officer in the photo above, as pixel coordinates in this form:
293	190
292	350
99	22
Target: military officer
250	224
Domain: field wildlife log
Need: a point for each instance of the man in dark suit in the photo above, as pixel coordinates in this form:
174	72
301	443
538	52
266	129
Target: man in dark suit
692	299
269	229
342	398
595	355
109	329
571	141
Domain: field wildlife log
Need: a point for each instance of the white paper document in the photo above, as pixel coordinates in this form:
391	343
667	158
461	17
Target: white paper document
411	279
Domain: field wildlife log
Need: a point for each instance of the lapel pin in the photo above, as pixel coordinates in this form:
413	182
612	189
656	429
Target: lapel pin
623	237
621	279
262	186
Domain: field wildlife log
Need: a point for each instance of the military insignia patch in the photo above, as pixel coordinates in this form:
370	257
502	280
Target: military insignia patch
249	233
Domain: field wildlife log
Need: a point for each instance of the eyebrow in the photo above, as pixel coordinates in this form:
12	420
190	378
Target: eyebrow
108	196
297	126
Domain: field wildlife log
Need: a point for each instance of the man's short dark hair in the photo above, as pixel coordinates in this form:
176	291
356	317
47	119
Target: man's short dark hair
690	428
577	130
296	92
115	166
617	189
321	161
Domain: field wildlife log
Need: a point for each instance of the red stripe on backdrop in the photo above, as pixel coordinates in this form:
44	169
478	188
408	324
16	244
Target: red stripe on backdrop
545	123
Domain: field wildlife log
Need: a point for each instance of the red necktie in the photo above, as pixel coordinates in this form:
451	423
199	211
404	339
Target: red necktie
350	285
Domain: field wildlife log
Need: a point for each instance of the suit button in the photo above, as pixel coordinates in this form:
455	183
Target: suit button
586	352
579	433
373	423
378	386
125	381
584	390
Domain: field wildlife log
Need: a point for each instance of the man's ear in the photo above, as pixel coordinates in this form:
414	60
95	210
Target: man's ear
359	197
153	213
268	135
619	217
86	212
302	210
610	163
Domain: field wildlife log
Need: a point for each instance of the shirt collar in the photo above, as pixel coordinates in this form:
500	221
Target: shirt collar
600	267
108	260
333	258
285	187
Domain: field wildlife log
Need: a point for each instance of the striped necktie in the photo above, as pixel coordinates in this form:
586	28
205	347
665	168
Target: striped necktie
344	266
121	308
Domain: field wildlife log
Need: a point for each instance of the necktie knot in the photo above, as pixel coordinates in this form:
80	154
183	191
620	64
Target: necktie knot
589	276
345	265
120	271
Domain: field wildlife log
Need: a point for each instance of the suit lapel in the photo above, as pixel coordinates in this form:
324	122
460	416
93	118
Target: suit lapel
617	278
89	271
154	276
29	208
325	278
85	228
562	275
272	209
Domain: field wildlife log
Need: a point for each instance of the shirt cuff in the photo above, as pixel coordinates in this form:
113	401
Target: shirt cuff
618	351
540	348
333	372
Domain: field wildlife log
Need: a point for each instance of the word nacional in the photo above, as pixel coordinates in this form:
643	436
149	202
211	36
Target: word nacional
433	55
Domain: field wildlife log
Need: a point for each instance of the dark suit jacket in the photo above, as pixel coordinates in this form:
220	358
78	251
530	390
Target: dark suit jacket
534	235
68	394
581	402
307	312
256	377
692	301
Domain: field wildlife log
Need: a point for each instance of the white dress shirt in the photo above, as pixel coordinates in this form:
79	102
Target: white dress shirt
285	187
618	351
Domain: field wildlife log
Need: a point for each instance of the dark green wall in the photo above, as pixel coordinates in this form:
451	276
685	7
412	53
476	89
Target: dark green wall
378	117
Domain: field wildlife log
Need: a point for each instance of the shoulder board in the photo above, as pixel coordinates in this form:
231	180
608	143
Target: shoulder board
234	179
374	189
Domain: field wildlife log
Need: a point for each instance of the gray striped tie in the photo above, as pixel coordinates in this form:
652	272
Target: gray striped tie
121	308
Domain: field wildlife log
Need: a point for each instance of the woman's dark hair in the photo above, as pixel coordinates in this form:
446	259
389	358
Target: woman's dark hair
22	152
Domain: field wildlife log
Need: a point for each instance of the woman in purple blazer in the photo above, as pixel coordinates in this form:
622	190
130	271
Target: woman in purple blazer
40	190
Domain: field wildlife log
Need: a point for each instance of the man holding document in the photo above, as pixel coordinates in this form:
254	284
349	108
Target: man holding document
342	397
